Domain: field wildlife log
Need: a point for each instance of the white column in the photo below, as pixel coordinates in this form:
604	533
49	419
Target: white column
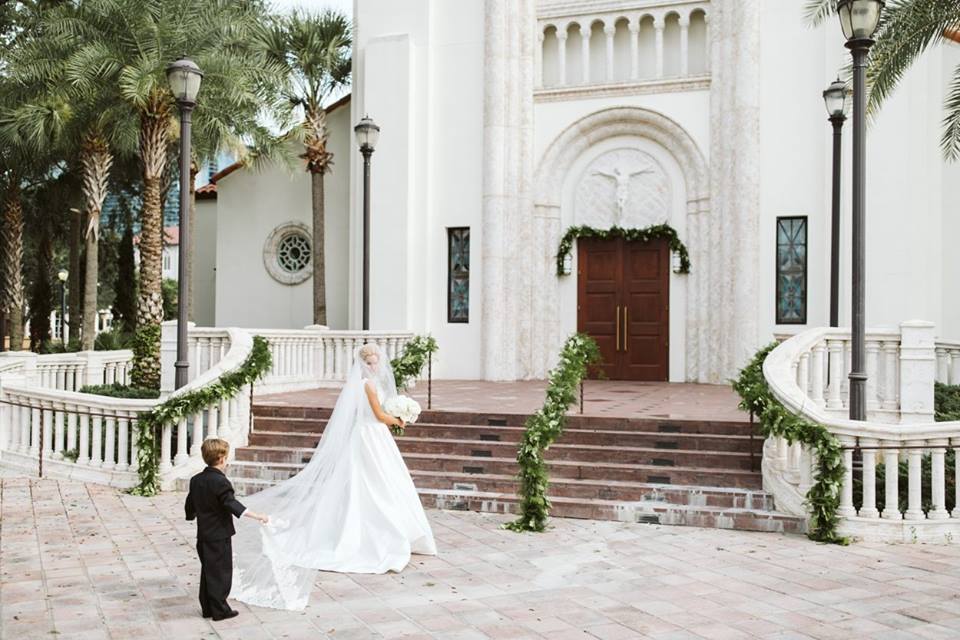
7	428
96	442
71	431
943	365
684	45
165	446
817	367
917	372
59	434
869	507
834	398
212	422
562	57
36	423
708	44
134	430
26	431
938	487
846	509
110	452
585	33
634	50
47	433
890	397
803	374
197	435
83	449
610	31
891	477
123	442
914	508
182	455
872	349
956	479
223	418
658	25
955	366
538	62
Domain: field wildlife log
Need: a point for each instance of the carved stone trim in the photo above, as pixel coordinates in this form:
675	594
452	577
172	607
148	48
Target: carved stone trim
678	85
271	248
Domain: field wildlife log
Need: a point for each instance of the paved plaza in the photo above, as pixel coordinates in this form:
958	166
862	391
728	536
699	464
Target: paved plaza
85	561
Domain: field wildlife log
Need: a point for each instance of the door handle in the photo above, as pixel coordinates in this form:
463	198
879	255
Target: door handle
626	328
618	327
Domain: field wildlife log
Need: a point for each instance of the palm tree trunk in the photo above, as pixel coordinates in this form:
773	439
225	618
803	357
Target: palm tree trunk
96	160
11	291
74	287
319	259
154	134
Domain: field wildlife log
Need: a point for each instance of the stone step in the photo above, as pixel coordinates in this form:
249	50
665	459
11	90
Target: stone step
710	442
279	463
570	452
647	511
574	420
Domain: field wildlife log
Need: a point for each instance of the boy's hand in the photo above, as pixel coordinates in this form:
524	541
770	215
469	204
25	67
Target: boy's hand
264	519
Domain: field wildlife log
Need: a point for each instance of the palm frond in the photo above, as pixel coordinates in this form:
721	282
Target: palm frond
816	12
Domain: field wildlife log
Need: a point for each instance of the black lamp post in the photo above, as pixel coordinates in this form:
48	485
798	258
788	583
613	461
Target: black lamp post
835	99
62	276
184	77
859	20
367	134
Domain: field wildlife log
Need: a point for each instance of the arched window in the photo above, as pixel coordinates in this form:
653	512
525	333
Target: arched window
550	61
671	46
598	53
622	61
697	44
648	48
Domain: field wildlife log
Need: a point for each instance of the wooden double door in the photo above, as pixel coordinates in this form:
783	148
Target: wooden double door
623	297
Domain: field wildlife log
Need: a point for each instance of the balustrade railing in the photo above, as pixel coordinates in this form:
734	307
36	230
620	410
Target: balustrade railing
806	374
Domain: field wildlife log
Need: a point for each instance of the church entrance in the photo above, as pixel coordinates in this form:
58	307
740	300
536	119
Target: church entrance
623	296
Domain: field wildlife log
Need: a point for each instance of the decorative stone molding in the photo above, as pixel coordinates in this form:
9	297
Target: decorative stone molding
287	253
632	88
626	186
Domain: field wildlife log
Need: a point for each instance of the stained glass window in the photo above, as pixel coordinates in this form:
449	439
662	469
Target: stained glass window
458	275
792	270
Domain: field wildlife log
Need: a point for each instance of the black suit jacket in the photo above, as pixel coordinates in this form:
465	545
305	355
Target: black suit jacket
212	503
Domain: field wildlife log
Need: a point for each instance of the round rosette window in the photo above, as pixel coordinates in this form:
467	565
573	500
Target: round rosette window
287	253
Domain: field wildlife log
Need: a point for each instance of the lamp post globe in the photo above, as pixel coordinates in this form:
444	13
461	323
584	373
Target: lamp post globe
859	18
184	78
367	133
835	98
63	275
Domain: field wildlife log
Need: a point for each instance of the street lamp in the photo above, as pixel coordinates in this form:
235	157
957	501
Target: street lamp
835	99
184	77
367	135
62	276
859	20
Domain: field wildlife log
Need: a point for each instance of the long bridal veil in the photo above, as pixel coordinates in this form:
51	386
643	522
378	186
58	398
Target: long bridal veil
275	565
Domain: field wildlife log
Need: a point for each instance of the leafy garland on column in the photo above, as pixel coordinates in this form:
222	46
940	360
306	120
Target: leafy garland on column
823	498
646	234
410	363
545	426
174	409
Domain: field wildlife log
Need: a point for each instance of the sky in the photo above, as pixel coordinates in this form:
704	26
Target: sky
345	6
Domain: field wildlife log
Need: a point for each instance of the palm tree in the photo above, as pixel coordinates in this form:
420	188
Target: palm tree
314	51
130	43
907	29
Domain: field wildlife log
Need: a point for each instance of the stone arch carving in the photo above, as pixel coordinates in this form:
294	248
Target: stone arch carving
555	165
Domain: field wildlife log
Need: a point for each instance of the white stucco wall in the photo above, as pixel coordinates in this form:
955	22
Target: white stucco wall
205	263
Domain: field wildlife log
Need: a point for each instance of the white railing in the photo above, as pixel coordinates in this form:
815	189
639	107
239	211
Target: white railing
606	45
72	371
806	373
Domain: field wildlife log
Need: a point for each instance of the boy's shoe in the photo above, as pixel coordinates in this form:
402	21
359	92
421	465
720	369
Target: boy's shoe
233	613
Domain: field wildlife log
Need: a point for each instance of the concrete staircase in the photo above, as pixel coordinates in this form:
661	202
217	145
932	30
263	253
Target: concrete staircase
699	473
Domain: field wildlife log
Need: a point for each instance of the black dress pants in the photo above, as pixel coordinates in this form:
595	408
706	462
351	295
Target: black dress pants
216	576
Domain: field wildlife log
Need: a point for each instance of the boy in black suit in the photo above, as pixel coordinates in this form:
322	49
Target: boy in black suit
212	503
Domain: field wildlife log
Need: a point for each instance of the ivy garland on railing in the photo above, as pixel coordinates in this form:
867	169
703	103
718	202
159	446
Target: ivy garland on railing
410	363
174	409
823	498
545	426
646	234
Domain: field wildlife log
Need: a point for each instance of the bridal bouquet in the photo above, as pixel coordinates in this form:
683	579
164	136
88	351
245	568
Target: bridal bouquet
403	407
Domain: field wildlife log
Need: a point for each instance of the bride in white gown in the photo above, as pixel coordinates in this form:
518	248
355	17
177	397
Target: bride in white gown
352	509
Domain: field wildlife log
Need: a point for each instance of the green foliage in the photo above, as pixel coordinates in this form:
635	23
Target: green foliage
823	498
170	302
176	407
545	426
56	346
117	390
146	344
408	365
113	340
946	402
643	235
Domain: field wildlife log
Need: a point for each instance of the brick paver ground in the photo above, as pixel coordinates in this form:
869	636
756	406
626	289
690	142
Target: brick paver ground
603	398
85	561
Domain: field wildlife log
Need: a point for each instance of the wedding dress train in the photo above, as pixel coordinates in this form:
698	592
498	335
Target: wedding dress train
352	509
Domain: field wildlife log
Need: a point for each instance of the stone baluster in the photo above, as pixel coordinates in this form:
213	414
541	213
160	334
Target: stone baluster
817	367
780	453
96	441
110	369
794	455
847	367
7	429
538	61
956	478
59	434
197	435
166	443
340	350
36	422
213	422
846	509
943	365
213	352
195	363
134	429
658	25
562	57
891	399
803	373
223	417
71	430
83	449
684	45
954	366
834	396
869	507
914	461
26	432
938	485
610	31
872	350
634	50
110	440
585	33
891	476
182	454
123	441
47	433
707	42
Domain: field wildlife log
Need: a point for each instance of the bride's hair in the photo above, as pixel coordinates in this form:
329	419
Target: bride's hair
369	349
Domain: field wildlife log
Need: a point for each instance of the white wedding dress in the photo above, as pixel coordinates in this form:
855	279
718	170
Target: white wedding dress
352	509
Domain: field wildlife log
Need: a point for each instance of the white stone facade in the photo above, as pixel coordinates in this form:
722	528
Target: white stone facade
499	116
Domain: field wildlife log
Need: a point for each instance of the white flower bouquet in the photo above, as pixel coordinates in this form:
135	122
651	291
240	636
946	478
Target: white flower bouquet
403	407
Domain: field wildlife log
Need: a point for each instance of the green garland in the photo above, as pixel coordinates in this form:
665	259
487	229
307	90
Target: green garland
545	426
410	363
643	235
823	498
174	409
